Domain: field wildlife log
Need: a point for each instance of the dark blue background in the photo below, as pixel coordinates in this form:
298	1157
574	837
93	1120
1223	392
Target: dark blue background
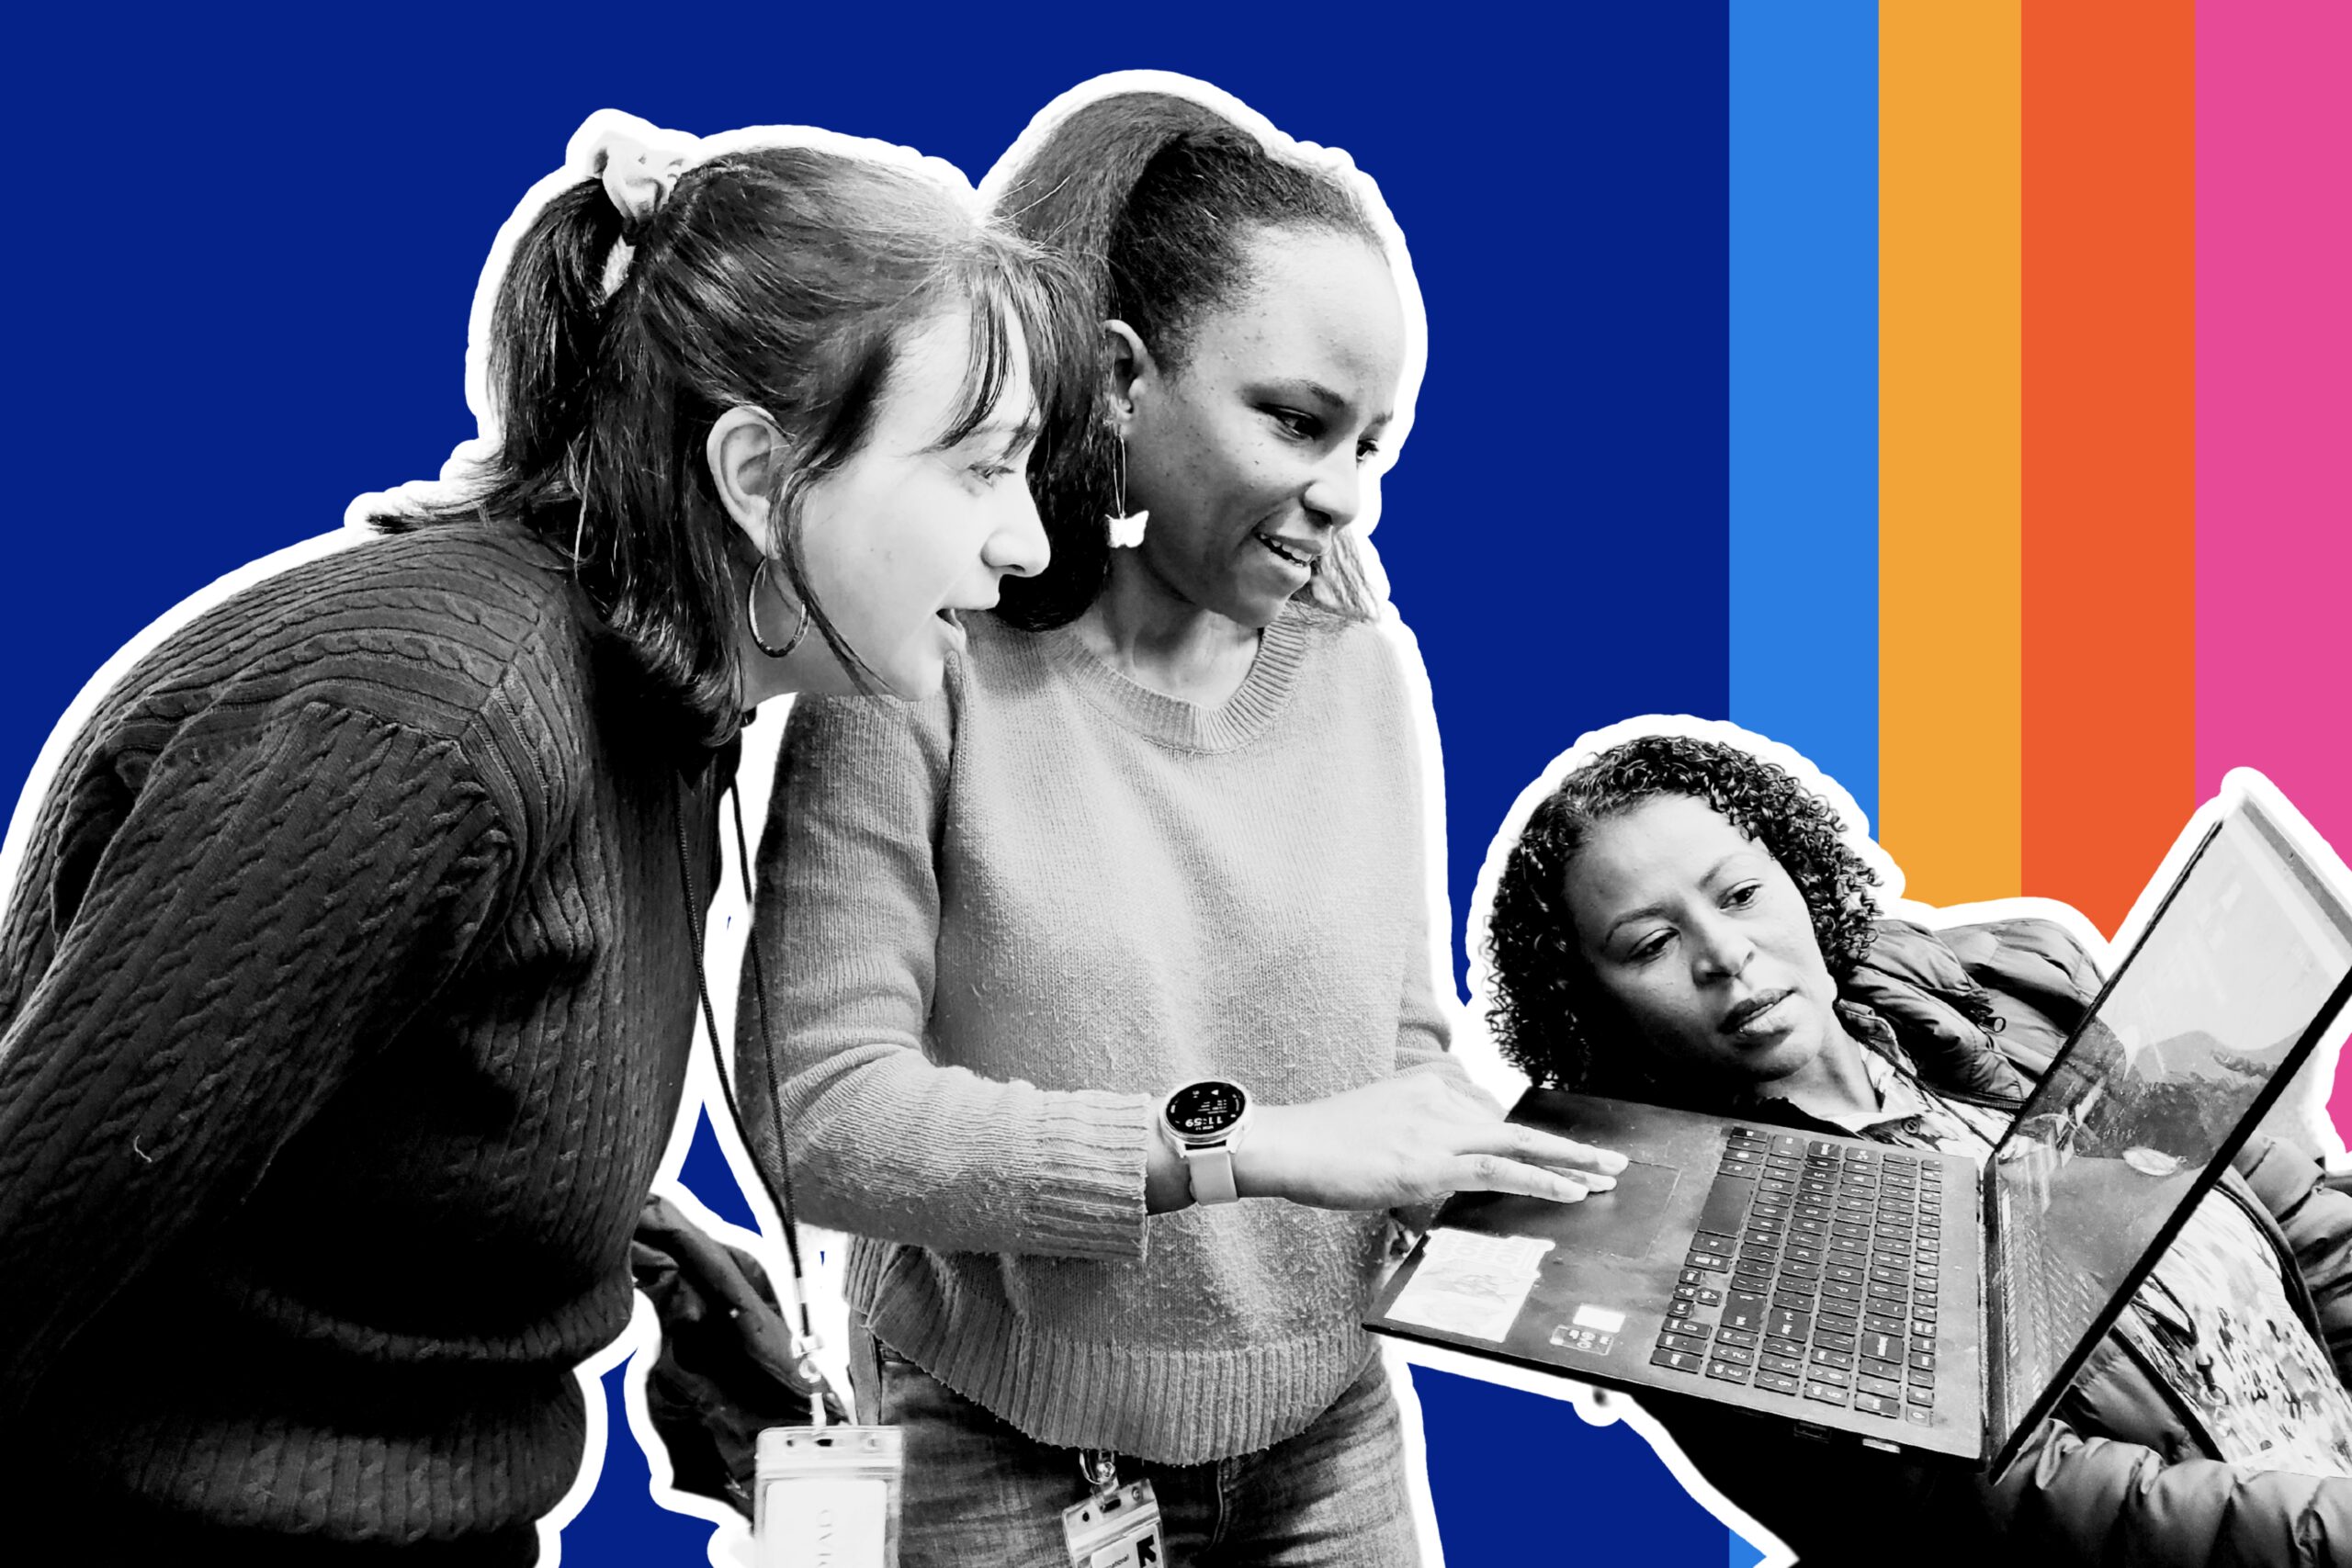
243	253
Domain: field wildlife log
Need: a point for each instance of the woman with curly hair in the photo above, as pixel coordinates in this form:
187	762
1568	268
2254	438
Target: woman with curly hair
1685	923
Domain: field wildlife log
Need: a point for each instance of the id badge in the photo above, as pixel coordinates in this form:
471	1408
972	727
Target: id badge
1117	1529
828	1497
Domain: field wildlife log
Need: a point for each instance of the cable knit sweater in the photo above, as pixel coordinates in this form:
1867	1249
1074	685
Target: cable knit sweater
998	926
347	989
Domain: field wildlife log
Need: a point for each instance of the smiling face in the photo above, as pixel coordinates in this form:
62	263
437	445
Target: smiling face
906	533
1704	945
1249	452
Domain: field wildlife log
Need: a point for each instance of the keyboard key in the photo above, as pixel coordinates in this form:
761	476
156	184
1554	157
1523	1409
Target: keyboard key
1776	1383
1727	1371
1736	1336
1715	1242
1742	1310
1874	1404
1884	1347
1918	1418
1836	1360
1830	1338
1778	1346
1689	1342
1889	1293
1785	1323
1885	1388
1923	1396
1873	1323
1727	1202
1787	1144
1918	1379
1675	1360
1708	1262
1841	1290
1751	1283
1843	1312
1793	1269
1735	1355
1891	1371
1922	1362
1691	1275
1790	1365
1829	1394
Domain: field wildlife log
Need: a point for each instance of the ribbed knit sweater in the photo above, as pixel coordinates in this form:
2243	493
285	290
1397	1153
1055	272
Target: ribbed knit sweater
347	988
998	926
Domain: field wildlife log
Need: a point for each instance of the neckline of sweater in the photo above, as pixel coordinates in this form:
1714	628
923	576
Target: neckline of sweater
1173	722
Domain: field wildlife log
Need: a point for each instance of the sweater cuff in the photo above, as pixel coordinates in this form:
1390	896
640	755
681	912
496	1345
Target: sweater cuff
1081	1178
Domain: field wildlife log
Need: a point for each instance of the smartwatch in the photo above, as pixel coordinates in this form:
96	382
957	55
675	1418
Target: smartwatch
1203	1122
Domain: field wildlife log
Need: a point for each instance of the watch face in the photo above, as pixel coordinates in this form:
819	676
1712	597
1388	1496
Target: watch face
1205	1110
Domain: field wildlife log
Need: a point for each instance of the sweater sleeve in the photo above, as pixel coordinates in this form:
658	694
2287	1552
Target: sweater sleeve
882	1141
2069	1498
269	908
1424	1017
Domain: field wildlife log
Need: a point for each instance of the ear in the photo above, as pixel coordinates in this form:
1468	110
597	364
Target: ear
1129	372
747	454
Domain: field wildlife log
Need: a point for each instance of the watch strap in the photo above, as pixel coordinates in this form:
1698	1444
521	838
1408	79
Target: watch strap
1210	1167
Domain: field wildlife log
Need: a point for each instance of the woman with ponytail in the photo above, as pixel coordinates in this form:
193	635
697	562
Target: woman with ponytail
1119	1032
351	972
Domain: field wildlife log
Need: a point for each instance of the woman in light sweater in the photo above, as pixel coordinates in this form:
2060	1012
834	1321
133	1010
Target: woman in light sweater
348	983
1158	844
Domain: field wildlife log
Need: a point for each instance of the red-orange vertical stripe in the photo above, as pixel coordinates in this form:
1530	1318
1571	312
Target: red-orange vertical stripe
2109	444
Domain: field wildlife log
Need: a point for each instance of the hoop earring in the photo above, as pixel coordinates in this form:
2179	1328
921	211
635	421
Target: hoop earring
751	616
1126	527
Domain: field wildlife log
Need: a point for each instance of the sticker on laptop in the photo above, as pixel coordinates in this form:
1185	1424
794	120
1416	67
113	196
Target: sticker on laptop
1470	1284
1591	1332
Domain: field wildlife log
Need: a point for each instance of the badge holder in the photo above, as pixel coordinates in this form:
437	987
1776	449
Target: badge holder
823	1496
827	1495
1118	1527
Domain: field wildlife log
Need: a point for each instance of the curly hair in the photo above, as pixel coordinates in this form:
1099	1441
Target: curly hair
1542	992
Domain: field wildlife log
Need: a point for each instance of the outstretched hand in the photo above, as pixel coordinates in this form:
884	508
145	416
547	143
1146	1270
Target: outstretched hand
1407	1141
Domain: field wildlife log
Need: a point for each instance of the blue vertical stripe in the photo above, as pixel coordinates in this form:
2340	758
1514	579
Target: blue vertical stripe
1804	439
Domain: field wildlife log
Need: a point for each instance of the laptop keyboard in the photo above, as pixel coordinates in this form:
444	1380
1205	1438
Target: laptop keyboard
1814	1276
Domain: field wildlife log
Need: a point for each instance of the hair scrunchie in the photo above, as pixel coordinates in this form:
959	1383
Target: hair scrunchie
639	165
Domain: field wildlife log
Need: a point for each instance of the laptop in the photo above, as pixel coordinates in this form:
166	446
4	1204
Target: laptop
1913	1300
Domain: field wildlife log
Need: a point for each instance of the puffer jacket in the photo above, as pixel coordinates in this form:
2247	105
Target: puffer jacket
2122	1473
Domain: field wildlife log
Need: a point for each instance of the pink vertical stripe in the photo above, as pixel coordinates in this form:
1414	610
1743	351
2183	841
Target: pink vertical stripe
2273	405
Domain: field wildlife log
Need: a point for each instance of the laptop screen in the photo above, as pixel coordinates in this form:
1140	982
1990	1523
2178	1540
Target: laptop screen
2232	976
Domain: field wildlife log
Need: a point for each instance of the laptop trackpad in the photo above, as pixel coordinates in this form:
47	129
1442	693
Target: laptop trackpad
1622	1222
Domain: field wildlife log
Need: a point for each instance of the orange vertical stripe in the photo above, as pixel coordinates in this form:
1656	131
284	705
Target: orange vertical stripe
1949	648
2109	447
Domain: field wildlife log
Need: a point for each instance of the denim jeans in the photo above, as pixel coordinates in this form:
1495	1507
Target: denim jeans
980	1493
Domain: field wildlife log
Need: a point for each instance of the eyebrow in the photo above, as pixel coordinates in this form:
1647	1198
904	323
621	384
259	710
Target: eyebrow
997	432
1653	911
